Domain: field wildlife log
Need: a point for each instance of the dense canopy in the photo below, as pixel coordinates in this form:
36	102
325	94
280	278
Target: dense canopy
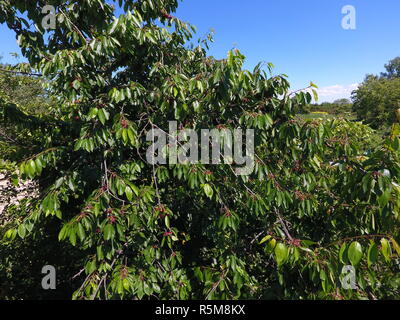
315	202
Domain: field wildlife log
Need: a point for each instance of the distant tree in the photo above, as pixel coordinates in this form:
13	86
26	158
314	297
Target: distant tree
392	69
378	97
376	101
26	93
23	90
342	101
338	107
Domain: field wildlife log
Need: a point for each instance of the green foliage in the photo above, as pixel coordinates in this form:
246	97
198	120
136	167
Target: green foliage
22	98
392	69
25	91
193	231
376	101
340	107
342	101
21	260
360	136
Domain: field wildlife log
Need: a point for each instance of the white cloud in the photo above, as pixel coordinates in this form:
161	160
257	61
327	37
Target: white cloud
331	93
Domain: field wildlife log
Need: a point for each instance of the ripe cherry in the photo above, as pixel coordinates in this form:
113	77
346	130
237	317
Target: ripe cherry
124	123
296	242
112	219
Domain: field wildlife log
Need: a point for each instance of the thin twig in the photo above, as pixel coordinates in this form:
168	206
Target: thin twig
215	286
78	274
283	225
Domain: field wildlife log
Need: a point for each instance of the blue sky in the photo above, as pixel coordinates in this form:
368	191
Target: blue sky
302	38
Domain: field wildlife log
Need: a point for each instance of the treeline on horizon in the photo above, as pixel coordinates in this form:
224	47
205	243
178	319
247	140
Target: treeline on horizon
375	102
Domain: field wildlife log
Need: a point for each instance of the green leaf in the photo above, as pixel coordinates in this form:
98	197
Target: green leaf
343	253
101	115
93	113
385	249
281	253
21	231
384	198
38	165
266	238
81	232
296	254
126	284
208	190
133	187
372	254
355	253
124	135
31	167
109	231
72	237
114	25
131	135
99	251
312	84
10	234
63	233
308	243
200	86
167	222
396	246
315	95
128	193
